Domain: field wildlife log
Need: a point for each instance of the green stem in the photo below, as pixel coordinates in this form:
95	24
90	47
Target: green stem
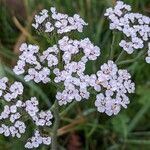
112	45
138	142
138	117
132	60
126	62
56	125
68	108
120	55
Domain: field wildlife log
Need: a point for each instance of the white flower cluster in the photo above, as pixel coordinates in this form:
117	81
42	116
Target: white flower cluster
10	112
74	81
14	108
61	22
72	47
39	19
34	62
37	140
42	118
29	63
16	130
148	57
49	56
15	90
135	26
117	84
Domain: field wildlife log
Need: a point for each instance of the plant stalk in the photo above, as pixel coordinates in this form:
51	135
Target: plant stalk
112	46
56	125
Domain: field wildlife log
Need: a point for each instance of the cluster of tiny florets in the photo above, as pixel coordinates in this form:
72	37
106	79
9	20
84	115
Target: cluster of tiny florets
74	80
62	23
72	72
30	64
10	112
14	107
71	47
42	118
37	140
15	90
116	85
39	19
135	26
75	85
15	130
49	56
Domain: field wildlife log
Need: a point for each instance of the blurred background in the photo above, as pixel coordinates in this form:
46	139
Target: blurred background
81	128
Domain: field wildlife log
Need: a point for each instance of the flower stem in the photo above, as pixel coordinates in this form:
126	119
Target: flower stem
112	45
68	108
56	125
140	55
120	55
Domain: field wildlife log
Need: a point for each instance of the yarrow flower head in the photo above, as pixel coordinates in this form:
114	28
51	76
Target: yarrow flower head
72	72
13	112
30	64
37	140
116	84
135	26
75	81
62	23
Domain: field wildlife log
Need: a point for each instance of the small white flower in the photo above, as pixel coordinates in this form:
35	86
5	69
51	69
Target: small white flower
46	140
49	27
